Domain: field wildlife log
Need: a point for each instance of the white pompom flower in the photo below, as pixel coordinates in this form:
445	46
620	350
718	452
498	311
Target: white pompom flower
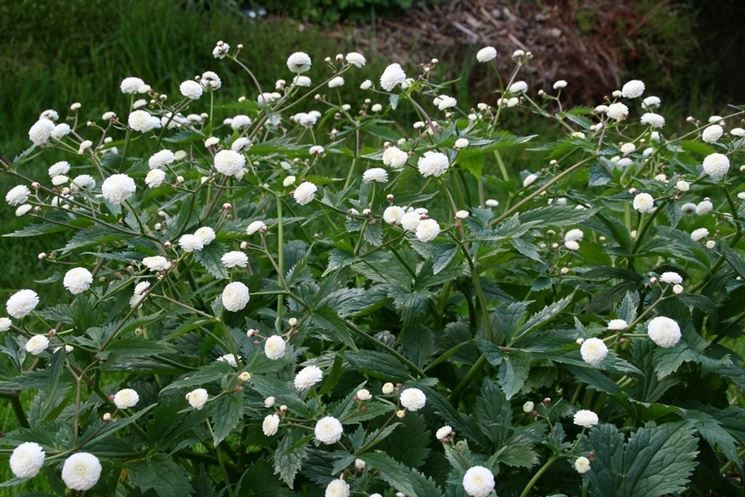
336	82
77	280
716	165
234	258
433	164
375	175
393	214
229	162
58	168
154	178
699	234
118	188
337	488
712	134
190	243
652	120
156	263
126	398
392	76
585	418
142	121
81	471
17	195
582	465
664	332
486	54
593	351
413	399
643	202
206	234
27	460
305	193
197	398
160	159
131	85
307	377
617	325
633	89
328	430
235	296
478	481
427	230
37	344
356	59
191	89
617	111
270	425
5	324
255	227
299	62
274	347
394	157
40	132
21	303
671	278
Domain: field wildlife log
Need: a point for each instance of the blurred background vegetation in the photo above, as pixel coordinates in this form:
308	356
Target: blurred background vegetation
57	52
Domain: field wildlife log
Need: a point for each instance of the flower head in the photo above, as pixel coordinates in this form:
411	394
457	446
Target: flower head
413	399
356	59
270	425
305	193
427	230
77	280
118	188
716	165
337	488
40	132
307	377
21	303
375	175
234	258
394	157
274	347
235	296
298	62
617	111
197	398
81	471
478	481
191	89
433	164
644	202
26	460
633	89
585	418
392	76
229	162
582	465
156	263
328	430
17	195
663	331
126	398
486	54
593	351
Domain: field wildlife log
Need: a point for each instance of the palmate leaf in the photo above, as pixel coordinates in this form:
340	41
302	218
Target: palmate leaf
227	411
289	456
656	460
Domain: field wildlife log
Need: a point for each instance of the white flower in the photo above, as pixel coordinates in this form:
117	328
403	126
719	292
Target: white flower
221	50
21	303
81	182
235	296
704	207
60	180
529	180
337	488
336	82
663	331
443	433
712	133
142	121
593	351
739	132
37	344
560	84
81	471
160	159
139	293
240	143
518	87
582	465
328	430
574	234
356	59
274	347
307	377
191	89
17	195
270	424
683	186
392	76
633	89
375	174
126	398
26	460
210	81
427	230
678	289
478	481
643	202
571	245
617	111
230	359
363	394
413	399
190	243
60	131
671	277
197	398
651	102
528	407
393	214
229	163
444	102
234	258
77	280
268	98
156	263
206	234
298	62
5	324
155	178
433	164
131	85
301	81
58	168
118	188
585	418
716	165
316	150
305	193
394	157
255	227
411	220
486	54
240	121
40	132
24	209
699	234
617	324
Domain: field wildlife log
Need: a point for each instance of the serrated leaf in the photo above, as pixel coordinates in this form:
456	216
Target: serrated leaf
227	411
162	475
513	372
289	456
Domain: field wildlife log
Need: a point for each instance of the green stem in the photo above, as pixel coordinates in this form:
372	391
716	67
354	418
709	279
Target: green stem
537	476
280	264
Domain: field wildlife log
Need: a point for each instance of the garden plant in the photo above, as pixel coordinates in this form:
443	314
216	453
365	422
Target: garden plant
294	294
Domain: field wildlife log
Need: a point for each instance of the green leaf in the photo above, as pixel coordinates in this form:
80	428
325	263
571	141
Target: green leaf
289	456
210	259
401	478
227	411
656	460
161	474
513	372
